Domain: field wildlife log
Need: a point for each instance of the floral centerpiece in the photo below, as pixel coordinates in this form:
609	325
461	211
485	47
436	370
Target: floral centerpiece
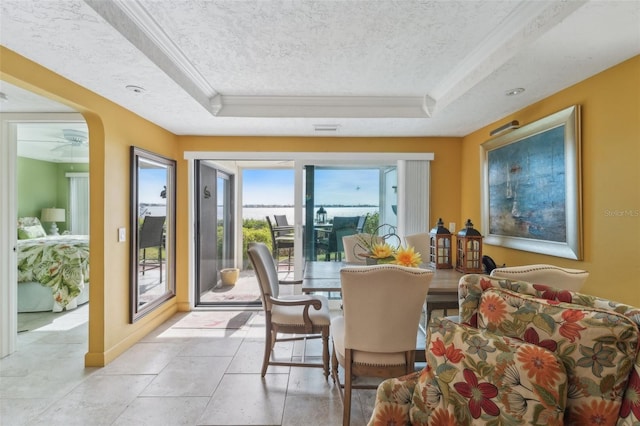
377	249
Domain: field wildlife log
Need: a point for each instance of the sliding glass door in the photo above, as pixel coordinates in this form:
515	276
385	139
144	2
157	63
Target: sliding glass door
367	193
214	228
228	213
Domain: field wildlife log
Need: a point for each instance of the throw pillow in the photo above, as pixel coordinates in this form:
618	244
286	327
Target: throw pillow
475	376
33	231
598	347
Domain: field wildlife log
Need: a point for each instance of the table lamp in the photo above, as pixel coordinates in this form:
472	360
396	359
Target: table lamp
53	215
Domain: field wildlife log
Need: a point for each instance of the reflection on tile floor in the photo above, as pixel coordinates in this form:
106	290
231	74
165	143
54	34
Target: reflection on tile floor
171	377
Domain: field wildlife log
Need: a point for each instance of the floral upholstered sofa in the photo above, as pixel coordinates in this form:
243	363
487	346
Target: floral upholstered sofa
522	354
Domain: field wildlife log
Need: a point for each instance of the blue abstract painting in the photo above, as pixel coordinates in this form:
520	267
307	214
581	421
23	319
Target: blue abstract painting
527	187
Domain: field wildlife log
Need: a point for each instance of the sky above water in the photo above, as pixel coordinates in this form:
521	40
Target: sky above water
345	187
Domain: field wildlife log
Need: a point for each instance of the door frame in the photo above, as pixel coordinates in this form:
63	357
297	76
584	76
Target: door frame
8	218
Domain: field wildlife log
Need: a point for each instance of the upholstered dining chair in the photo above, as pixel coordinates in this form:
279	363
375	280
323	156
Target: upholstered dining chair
305	316
354	247
376	335
555	276
420	243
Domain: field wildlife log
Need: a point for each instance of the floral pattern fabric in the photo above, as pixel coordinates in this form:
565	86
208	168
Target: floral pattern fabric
394	396
507	381
597	347
61	263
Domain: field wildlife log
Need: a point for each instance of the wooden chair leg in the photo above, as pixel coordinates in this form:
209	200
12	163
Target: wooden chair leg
268	346
334	366
325	352
346	414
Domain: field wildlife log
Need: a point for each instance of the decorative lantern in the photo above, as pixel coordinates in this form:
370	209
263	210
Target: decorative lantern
440	247
469	250
321	216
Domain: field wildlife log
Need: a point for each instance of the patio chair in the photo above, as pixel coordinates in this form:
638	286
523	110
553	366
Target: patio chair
151	235
342	226
305	316
362	221
281	239
282	221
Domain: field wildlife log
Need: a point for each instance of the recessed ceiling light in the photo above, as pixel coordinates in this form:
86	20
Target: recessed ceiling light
135	89
514	92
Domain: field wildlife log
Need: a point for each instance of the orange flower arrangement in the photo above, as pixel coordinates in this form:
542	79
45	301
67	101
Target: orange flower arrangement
384	252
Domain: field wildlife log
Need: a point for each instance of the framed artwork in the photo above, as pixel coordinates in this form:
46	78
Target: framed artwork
532	187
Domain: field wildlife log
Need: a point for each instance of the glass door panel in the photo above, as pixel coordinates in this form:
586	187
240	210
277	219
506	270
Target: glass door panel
224	235
214	230
206	230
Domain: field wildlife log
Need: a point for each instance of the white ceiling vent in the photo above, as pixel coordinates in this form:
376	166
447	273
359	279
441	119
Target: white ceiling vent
326	127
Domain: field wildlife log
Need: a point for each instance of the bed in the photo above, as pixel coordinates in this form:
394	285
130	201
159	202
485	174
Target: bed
53	271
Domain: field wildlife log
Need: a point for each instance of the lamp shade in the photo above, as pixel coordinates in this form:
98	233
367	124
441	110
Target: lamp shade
53	215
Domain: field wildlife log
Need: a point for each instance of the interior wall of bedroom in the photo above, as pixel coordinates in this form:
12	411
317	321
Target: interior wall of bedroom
610	180
42	184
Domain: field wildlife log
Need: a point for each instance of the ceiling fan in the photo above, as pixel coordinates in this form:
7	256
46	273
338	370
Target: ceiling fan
73	138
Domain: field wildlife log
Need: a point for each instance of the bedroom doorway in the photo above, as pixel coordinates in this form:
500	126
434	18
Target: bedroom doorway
46	159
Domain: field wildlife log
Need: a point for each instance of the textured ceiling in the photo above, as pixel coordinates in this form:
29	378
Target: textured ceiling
371	68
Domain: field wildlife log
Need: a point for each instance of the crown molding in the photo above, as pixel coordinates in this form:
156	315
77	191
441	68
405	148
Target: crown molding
320	106
526	23
132	21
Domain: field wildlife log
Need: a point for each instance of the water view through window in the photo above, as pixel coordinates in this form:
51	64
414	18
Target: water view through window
342	192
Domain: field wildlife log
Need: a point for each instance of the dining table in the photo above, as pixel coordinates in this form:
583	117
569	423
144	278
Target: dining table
324	277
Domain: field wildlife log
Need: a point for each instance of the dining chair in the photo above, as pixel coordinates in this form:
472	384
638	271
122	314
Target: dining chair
281	240
151	236
376	334
354	246
420	243
303	315
554	276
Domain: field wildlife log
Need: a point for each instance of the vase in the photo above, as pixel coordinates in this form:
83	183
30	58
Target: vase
229	276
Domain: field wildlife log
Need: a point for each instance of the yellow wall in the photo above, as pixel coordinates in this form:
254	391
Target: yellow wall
112	131
610	104
610	182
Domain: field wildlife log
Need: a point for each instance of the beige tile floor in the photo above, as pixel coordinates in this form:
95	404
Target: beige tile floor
171	377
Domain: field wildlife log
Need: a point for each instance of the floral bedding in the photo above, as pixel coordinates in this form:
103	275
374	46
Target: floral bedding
59	262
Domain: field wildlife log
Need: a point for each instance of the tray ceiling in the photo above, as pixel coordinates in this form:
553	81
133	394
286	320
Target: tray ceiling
357	68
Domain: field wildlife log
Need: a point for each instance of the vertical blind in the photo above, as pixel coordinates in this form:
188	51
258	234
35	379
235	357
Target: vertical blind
413	195
78	203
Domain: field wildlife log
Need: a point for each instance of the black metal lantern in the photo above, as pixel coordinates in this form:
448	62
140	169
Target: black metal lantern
440	247
321	216
469	250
